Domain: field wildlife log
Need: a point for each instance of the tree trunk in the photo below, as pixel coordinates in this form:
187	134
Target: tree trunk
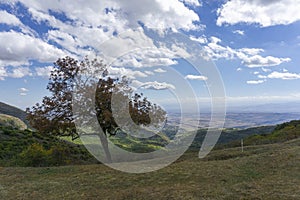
104	143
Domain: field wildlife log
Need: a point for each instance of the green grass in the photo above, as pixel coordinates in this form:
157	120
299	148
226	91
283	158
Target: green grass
261	172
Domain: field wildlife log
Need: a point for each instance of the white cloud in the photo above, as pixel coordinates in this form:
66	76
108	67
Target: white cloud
121	71
255	73
239	69
9	19
259	61
157	85
201	40
265	70
262	76
23	90
159	14
255	82
195	77
152	85
215	40
44	71
26	48
160	70
284	75
20	72
88	25
262	12
149	72
147	58
192	2
3	73
248	56
251	51
240	32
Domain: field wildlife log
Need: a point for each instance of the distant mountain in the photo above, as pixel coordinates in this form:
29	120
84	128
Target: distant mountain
13	111
288	107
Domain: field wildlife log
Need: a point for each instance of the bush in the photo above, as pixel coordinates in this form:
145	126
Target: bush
35	155
59	155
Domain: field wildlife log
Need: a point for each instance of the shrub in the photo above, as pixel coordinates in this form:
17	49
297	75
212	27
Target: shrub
59	155
35	155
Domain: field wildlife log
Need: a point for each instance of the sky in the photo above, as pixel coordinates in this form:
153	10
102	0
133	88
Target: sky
254	45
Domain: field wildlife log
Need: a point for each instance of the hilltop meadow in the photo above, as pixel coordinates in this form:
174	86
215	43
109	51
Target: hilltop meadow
35	166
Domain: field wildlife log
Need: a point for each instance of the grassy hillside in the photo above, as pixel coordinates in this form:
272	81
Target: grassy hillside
13	111
230	135
28	148
10	121
281	133
261	172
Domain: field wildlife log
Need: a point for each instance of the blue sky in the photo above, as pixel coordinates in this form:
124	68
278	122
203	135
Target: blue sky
254	44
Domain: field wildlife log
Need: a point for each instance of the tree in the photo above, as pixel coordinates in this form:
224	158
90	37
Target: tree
55	116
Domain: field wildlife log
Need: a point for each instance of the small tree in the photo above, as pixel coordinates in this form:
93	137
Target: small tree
54	116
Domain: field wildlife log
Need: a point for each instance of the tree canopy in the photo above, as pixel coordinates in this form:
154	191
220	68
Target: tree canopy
55	116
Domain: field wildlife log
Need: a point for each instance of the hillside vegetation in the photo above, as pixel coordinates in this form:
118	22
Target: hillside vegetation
281	133
268	168
29	148
260	172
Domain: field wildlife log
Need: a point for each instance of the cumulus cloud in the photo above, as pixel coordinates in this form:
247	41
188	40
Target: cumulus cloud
262	12
3	73
249	56
255	82
44	71
159	14
147	58
284	75
240	32
196	77
129	73
265	70
9	19
84	27
20	72
152	85
27	48
157	85
259	61
201	40
160	70
192	2
23	91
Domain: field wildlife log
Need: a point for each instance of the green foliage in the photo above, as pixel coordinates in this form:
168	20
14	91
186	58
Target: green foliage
231	137
35	155
281	133
17	149
55	114
260	172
